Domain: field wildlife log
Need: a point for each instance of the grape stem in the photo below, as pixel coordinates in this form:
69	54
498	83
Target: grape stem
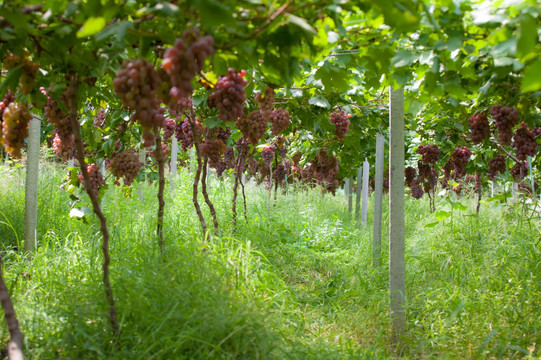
15	344
191	120
161	185
95	203
206	195
508	153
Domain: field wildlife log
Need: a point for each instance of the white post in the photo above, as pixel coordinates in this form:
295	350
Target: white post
102	167
397	271
358	193
350	195
514	190
346	188
142	158
71	163
378	199
366	179
32	184
173	164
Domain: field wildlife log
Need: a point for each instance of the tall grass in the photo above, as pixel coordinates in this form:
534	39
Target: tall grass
294	281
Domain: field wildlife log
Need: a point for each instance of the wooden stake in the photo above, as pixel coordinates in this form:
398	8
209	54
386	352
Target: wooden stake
32	184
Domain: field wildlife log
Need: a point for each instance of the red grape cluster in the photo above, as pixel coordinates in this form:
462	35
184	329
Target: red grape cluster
495	166
213	150
253	126
185	59
410	173
184	133
506	118
279	119
165	152
63	147
5	102
326	169
416	191
460	158
279	175
266	103
229	96
63	142
126	165
296	157
15	128
169	128
268	154
524	142
96	178
136	82
99	119
177	107
223	134
519	171
479	127
253	165
341	121
424	170
536	132
430	153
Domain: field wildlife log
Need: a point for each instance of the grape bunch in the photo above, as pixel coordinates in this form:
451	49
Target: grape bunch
136	82
184	133
266	102
99	119
326	169
524	142
253	165
460	158
213	150
519	171
416	191
479	127
63	146
165	152
169	128
424	170
341	121
63	141
229	96
177	107
410	173
495	166
506	118
430	153
28	67
126	165
279	119
9	98
96	178
15	128
296	157
253	126
185	59
536	132
223	134
279	175
430	182
268	154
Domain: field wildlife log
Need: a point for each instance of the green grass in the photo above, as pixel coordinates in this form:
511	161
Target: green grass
292	282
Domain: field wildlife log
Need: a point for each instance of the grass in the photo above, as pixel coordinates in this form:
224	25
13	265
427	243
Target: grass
295	282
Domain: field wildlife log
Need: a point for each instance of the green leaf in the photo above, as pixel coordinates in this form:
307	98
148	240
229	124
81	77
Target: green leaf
432	224
442	215
12	79
319	101
213	13
118	29
527	36
302	23
92	26
531	80
212	121
403	58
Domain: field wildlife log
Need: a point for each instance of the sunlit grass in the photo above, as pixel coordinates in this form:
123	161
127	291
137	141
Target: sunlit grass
294	280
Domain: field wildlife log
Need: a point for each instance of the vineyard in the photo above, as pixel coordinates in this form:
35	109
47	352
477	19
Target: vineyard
255	179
